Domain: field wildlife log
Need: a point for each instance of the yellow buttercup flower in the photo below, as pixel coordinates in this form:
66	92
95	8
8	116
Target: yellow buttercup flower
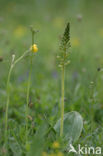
34	48
56	145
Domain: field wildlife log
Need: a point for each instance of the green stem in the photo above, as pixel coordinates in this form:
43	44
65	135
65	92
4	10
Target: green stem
27	111
21	57
13	63
28	92
62	101
7	103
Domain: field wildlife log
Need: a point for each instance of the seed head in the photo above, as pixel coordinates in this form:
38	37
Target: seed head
64	46
65	41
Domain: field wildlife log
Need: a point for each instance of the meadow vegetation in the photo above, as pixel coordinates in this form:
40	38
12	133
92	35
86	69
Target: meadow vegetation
31	63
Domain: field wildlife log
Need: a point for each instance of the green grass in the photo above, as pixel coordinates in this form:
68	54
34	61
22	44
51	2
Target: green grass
86	57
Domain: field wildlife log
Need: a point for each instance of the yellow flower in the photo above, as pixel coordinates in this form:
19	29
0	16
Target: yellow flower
75	42
56	145
34	48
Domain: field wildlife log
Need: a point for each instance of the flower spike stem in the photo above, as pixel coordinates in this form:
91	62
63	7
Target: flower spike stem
62	101
63	58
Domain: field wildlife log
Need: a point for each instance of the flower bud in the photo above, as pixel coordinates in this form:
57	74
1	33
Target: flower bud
34	48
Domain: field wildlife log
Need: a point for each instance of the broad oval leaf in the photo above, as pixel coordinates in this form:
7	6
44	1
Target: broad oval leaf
73	125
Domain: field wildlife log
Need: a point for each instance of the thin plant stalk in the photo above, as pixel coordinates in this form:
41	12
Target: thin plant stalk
13	63
62	100
21	57
28	91
63	61
7	103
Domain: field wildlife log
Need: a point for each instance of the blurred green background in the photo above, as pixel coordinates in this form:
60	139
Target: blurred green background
50	18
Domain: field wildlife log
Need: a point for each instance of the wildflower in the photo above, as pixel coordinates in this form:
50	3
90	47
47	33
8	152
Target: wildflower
65	40
64	47
63	61
56	144
34	48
